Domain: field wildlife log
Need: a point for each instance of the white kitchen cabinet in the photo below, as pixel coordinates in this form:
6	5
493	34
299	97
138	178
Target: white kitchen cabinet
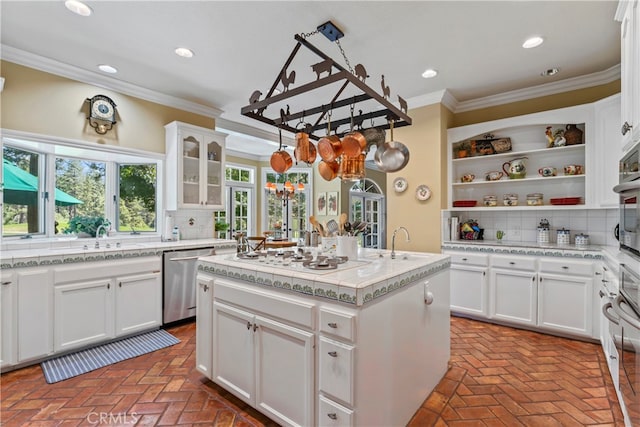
94	303
195	172
266	363
513	296
35	312
138	303
565	297
204	307
469	284
527	134
8	302
629	15
83	314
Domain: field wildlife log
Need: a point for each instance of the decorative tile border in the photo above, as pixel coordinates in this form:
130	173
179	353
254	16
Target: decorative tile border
516	250
324	289
90	255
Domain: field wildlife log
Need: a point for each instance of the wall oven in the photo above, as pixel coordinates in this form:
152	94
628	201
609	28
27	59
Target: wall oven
627	342
629	191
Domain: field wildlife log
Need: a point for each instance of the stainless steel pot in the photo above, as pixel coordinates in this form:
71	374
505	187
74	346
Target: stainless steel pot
391	156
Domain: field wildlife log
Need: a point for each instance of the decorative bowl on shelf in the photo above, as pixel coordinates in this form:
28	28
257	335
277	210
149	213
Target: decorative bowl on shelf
464	203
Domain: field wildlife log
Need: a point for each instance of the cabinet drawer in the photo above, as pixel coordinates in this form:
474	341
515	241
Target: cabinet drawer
332	414
263	301
519	263
469	259
336	369
566	267
337	323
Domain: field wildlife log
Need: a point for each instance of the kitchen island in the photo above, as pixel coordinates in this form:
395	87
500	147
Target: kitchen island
362	344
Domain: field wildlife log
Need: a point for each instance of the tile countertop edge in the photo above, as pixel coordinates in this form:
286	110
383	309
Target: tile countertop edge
34	257
336	287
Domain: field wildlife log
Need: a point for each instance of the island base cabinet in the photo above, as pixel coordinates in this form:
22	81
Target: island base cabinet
83	314
565	304
514	296
204	307
266	363
138	303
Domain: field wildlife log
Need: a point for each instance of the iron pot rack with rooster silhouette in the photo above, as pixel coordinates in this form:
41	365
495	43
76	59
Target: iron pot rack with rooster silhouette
344	91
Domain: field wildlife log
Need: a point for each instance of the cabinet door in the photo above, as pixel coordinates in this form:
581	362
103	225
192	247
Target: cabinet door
83	314
608	150
8	305
213	170
469	290
565	303
138	303
630	81
284	372
191	169
513	296
204	302
35	313
233	351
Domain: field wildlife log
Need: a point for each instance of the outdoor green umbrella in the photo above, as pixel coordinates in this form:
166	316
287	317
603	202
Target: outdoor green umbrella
21	188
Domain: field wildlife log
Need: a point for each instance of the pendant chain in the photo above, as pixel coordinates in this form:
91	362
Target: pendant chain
344	55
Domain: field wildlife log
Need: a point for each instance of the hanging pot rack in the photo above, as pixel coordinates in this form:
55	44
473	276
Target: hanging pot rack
380	107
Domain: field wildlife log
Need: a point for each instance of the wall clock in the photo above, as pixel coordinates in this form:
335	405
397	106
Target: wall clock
102	113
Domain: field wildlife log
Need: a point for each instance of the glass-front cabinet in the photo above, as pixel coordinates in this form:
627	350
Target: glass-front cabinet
195	167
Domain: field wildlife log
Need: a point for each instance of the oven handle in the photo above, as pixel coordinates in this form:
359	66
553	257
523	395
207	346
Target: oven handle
617	307
605	312
627	186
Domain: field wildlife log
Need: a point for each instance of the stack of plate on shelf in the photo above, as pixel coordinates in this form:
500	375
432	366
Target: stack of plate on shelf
464	203
565	200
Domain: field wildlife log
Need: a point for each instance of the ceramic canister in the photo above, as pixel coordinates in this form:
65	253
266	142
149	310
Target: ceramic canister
543	235
563	237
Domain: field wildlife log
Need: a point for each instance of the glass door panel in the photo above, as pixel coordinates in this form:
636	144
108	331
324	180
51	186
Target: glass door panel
190	170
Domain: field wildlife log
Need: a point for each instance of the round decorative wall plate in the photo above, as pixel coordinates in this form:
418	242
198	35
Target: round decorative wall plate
400	184
423	192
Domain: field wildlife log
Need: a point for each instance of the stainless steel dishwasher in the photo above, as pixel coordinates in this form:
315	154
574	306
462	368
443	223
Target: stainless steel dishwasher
179	283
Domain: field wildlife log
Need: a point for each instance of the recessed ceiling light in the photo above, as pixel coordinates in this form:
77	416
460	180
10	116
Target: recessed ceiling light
107	68
549	72
78	7
429	73
184	52
532	42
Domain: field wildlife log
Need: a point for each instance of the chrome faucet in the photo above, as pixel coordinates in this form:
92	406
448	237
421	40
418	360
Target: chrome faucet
393	240
100	227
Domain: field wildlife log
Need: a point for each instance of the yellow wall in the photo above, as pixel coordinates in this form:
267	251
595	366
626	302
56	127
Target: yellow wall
42	103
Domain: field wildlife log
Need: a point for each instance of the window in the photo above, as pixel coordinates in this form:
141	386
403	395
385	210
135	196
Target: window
86	189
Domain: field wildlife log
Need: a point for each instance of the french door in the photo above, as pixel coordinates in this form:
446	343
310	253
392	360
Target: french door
367	203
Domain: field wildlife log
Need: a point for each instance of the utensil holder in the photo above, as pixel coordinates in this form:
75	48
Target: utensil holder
347	246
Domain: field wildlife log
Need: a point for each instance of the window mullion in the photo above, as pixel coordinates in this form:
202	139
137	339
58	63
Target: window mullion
111	193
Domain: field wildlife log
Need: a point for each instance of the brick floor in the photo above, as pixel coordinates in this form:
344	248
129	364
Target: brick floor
499	376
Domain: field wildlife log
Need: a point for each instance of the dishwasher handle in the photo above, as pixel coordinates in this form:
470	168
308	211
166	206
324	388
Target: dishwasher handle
186	258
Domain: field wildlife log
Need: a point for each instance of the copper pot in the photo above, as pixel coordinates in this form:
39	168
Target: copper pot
328	170
353	144
352	168
329	148
281	161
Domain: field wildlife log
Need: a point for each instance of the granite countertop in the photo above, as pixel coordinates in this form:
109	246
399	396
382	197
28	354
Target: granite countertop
354	282
63	251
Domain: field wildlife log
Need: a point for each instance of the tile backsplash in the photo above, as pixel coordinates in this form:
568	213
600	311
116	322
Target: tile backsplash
521	225
193	224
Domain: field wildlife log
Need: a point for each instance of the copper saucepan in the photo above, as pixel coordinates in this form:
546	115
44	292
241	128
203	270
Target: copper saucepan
281	161
305	151
353	144
330	148
328	170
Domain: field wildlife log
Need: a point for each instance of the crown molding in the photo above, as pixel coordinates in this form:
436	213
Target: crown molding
582	82
52	66
438	97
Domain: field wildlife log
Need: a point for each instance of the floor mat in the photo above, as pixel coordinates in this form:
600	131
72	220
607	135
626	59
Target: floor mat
81	362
